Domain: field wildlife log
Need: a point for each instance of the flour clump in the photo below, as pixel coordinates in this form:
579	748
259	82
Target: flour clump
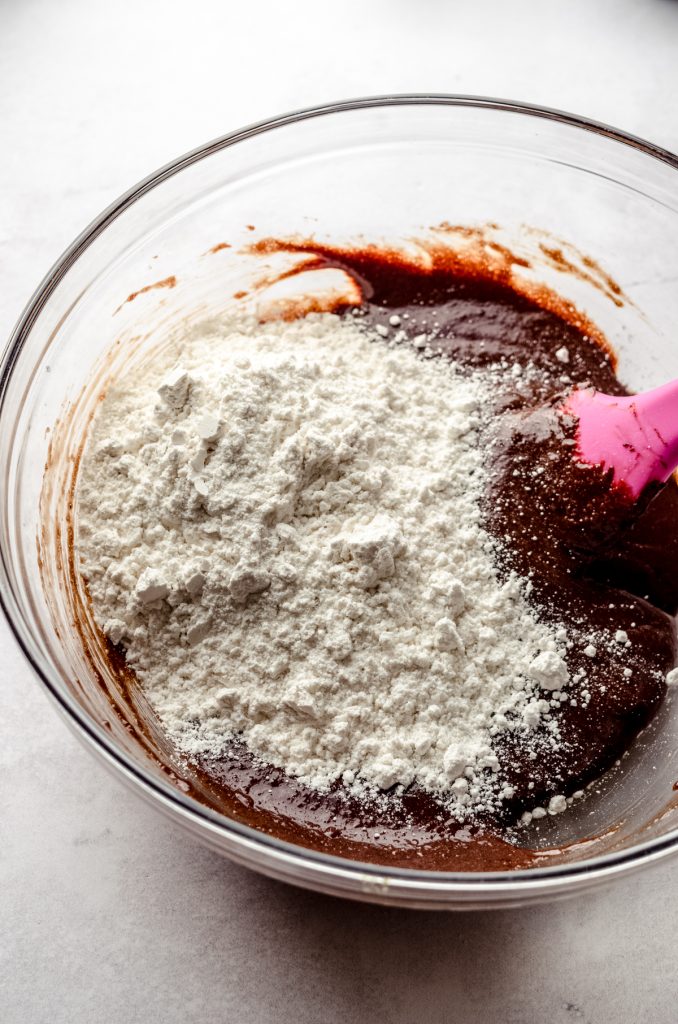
281	524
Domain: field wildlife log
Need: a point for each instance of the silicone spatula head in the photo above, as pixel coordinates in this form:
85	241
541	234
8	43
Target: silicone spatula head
635	436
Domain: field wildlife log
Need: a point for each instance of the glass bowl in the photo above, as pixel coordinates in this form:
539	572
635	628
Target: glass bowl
574	195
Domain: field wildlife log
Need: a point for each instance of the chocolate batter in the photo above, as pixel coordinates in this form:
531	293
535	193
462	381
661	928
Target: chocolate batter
595	561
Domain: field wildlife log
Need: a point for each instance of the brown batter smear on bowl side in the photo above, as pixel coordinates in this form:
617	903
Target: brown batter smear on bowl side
167	282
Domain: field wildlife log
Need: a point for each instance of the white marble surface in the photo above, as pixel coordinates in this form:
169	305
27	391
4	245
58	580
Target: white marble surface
106	913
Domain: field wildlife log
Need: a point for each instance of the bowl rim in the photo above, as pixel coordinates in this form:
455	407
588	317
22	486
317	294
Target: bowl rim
288	856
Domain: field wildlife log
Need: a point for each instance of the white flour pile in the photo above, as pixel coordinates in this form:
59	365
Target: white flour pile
281	525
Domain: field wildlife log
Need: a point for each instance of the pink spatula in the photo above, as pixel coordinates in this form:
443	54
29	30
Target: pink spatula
635	436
